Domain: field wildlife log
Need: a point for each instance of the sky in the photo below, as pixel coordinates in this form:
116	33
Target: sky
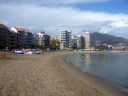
78	16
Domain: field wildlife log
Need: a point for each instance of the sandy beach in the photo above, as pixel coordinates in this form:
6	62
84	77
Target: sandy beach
49	74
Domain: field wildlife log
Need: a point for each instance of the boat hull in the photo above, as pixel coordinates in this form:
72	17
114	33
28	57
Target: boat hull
30	53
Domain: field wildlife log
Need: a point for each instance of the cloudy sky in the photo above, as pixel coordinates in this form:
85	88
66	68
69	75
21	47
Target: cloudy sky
51	16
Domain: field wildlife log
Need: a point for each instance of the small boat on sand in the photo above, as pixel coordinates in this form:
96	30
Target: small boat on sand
19	52
25	51
30	53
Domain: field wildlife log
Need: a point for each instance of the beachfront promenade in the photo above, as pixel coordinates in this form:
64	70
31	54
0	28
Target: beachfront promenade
47	74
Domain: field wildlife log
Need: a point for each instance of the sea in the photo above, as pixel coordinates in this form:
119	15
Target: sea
110	67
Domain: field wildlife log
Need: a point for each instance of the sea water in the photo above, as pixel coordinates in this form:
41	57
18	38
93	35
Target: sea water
111	67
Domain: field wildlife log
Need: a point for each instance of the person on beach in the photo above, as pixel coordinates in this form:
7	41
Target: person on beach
4	54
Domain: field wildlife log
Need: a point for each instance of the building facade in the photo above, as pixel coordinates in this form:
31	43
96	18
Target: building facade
24	36
87	40
35	39
65	41
54	43
44	39
74	40
13	39
98	43
4	35
80	42
119	46
41	35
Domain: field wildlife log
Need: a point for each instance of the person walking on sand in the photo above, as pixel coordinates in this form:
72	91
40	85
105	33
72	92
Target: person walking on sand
4	54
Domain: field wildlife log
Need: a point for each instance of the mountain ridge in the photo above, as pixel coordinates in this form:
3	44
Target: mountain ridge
106	38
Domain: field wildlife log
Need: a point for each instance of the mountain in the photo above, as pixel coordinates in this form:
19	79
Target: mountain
106	38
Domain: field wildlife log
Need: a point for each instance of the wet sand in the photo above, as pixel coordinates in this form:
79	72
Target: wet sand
48	74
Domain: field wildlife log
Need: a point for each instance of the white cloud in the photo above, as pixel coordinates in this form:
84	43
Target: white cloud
119	24
53	19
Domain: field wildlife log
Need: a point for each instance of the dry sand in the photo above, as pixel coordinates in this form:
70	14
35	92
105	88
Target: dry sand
48	74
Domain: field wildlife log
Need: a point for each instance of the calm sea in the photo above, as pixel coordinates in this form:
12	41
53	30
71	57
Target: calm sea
111	67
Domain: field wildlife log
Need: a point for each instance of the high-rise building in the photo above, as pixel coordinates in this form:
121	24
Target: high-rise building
87	40
65	41
80	42
4	35
44	39
41	35
35	39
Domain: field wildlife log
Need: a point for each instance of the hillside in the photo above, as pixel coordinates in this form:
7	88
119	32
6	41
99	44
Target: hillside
108	39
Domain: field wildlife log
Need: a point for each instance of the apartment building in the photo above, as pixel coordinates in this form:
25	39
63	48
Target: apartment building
87	40
13	39
4	35
44	39
80	42
24	36
65	41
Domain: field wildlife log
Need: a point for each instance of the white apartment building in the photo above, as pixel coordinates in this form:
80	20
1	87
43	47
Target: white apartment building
87	40
41	35
65	40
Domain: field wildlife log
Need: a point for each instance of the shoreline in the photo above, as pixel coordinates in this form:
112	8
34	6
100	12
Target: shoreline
119	86
49	74
93	80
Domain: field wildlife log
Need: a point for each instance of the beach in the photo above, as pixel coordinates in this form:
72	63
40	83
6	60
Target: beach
49	74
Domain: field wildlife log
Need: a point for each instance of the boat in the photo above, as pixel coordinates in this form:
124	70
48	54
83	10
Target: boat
30	53
19	52
25	51
38	52
13	50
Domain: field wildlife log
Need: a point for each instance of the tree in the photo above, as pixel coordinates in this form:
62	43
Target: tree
2	46
104	47
33	46
64	45
98	47
58	45
53	44
74	46
90	46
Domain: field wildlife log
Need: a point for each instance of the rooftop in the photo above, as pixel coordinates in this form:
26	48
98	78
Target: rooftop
21	29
